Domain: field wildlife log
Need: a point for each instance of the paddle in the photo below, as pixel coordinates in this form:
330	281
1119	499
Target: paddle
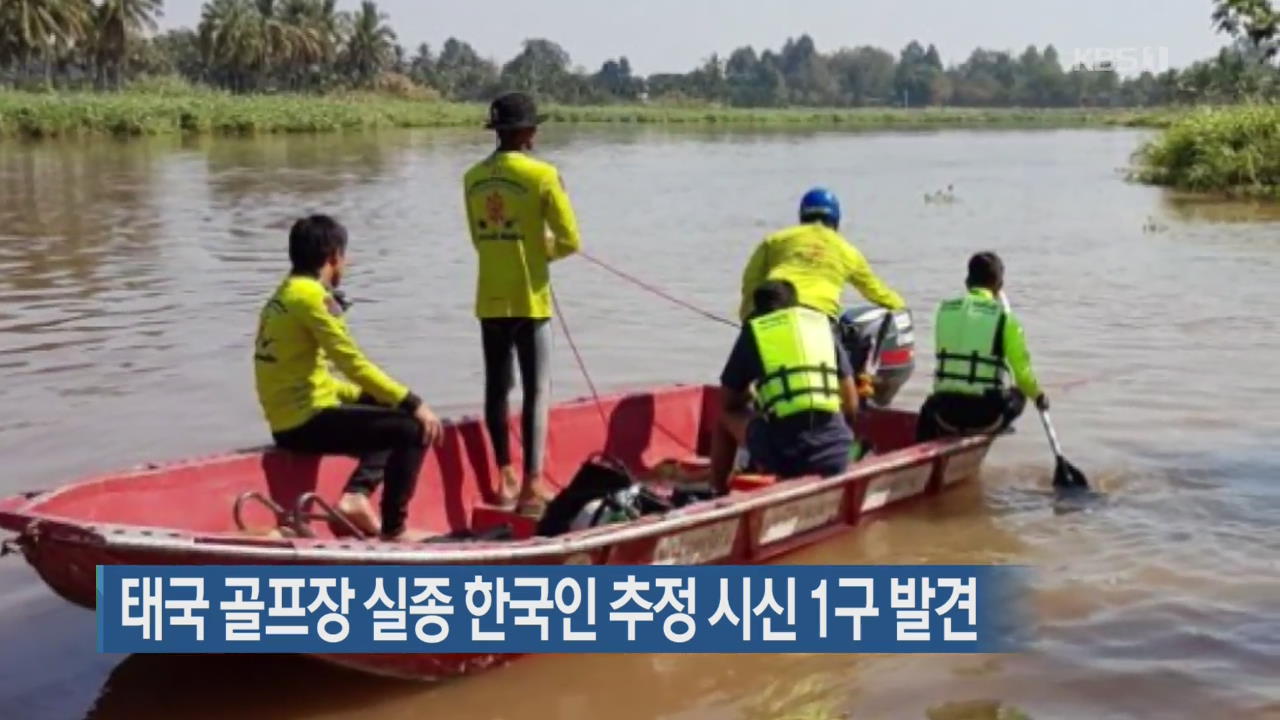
1065	475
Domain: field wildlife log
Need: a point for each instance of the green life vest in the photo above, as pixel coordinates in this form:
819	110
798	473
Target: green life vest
798	354
970	346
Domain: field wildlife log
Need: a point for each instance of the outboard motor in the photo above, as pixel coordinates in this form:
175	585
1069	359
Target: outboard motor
860	329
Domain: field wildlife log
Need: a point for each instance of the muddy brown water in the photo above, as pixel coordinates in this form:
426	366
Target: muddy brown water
131	273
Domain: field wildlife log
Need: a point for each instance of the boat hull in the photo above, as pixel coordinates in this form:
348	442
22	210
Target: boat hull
66	534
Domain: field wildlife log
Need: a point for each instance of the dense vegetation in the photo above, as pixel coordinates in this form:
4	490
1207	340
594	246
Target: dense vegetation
267	46
158	110
1232	150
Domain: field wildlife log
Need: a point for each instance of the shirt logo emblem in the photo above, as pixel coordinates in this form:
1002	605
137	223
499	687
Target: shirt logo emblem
495	208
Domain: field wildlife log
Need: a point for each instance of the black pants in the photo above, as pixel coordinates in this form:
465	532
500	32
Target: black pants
530	341
949	414
388	443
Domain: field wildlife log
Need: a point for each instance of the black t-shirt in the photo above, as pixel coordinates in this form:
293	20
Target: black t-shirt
806	438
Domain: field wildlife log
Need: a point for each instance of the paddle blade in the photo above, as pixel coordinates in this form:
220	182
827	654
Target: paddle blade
1066	475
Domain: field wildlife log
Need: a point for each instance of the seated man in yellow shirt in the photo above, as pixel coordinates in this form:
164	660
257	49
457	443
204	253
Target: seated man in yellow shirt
369	415
979	343
817	260
520	221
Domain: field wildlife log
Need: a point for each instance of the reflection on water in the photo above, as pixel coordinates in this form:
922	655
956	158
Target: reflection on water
1217	210
131	273
144	687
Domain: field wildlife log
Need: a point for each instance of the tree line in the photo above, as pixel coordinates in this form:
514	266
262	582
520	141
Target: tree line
312	46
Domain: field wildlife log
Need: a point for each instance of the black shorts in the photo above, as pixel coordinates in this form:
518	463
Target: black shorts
953	414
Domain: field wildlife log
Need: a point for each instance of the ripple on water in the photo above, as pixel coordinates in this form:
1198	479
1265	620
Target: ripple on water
1178	575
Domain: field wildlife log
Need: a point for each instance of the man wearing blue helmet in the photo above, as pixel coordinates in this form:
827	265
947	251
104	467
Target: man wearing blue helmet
817	260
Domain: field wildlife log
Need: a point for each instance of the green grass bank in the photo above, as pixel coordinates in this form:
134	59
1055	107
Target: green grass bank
60	115
1233	151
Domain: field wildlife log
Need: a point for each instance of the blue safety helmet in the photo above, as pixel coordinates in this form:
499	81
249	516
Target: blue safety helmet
820	203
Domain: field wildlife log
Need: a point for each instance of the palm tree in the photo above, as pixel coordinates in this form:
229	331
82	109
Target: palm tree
371	45
285	42
43	28
116	23
231	42
332	26
422	66
9	52
314	42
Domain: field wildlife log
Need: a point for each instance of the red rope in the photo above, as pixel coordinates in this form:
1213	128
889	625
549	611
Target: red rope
578	357
666	296
599	404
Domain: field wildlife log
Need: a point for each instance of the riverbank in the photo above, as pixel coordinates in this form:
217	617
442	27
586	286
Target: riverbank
1233	151
36	115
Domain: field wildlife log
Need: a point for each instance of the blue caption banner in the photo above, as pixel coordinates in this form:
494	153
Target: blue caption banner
560	609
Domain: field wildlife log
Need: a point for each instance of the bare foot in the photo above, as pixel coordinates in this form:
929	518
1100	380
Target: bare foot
534	497
509	490
357	508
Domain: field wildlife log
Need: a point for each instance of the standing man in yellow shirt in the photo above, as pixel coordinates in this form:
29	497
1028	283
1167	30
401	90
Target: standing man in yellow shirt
520	220
817	260
368	415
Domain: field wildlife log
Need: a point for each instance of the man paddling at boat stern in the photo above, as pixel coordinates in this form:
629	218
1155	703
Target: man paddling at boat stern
979	342
368	415
520	220
803	389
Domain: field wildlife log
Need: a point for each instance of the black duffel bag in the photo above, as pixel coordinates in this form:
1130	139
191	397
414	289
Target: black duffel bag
605	484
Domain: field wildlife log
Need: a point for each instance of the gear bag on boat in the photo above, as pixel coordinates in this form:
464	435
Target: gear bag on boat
601	493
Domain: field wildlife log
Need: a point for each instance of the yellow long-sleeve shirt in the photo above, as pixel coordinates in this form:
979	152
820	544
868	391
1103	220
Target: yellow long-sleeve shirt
819	262
299	331
1018	358
520	220
1016	355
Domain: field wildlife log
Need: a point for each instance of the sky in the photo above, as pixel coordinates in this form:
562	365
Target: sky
677	35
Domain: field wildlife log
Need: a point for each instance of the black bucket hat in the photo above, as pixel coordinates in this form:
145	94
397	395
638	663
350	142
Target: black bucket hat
514	111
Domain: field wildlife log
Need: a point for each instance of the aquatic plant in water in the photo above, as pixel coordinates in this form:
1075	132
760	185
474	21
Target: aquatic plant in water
1232	150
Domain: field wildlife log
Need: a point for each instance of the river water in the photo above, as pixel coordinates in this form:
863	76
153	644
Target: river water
131	274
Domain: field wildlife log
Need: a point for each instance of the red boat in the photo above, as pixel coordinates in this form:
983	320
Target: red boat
204	511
